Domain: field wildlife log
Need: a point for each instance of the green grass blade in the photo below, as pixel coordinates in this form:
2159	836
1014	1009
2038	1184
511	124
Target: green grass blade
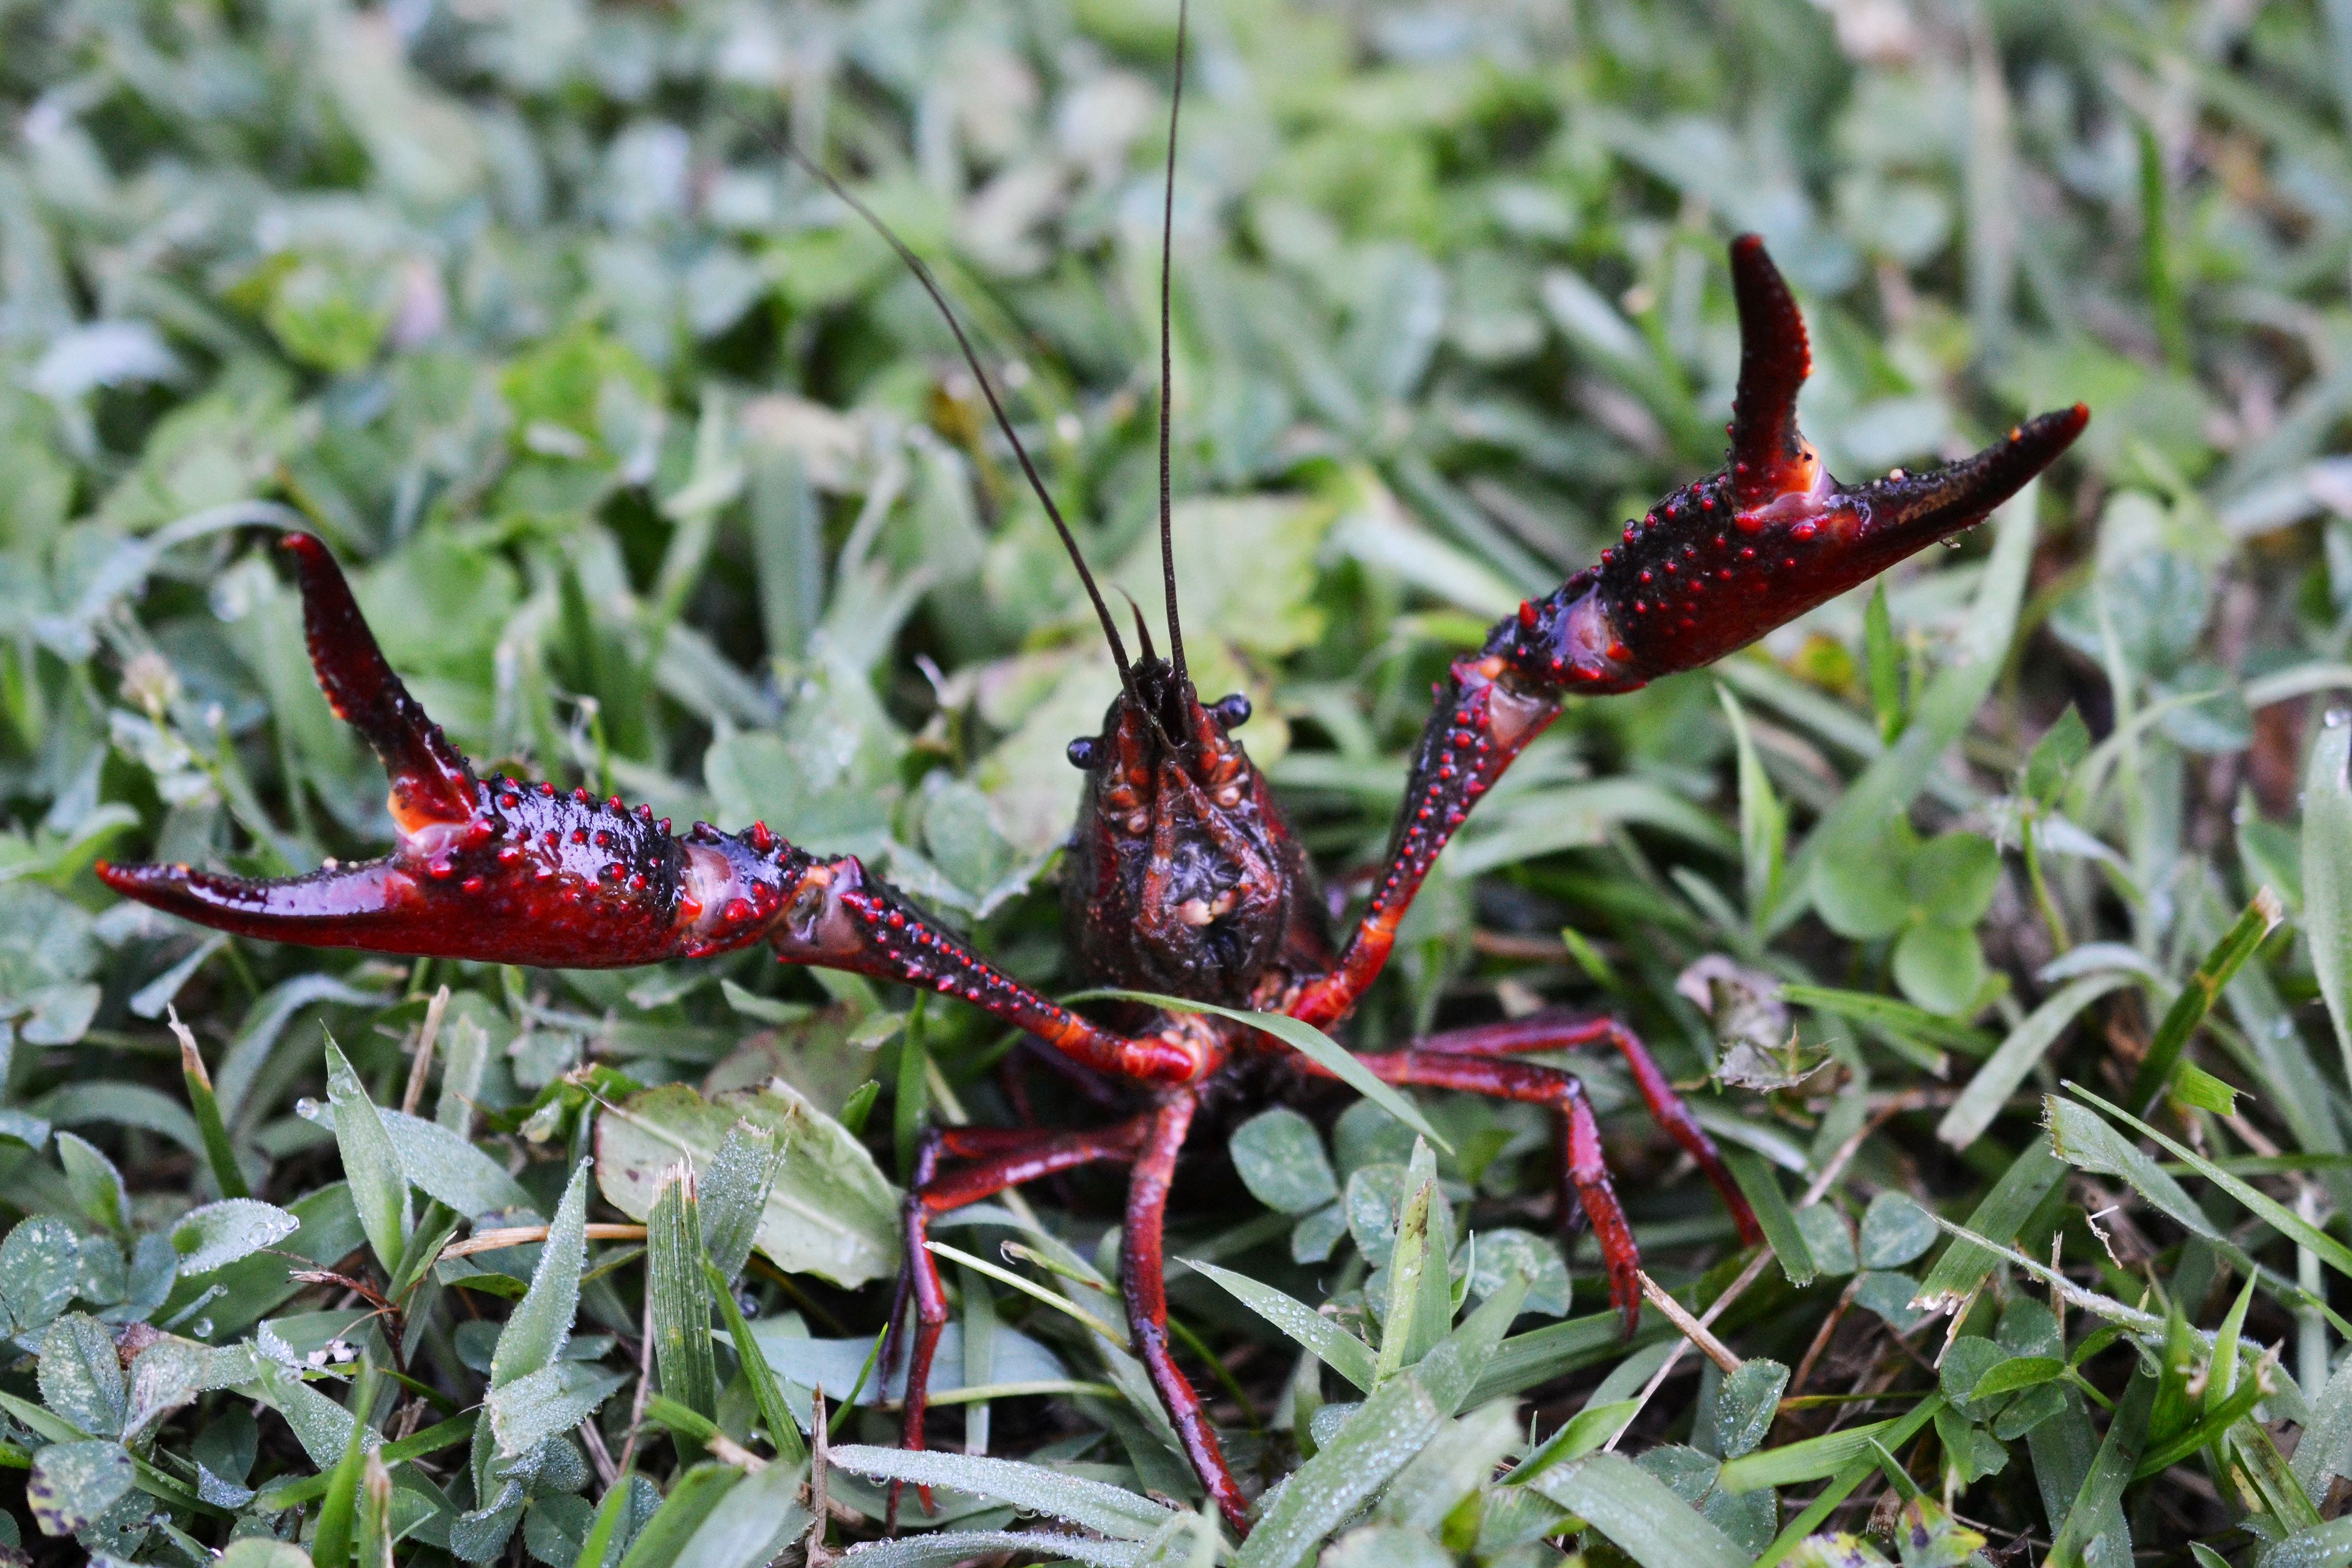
1997	1217
783	1432
1639	1513
605	1528
1763	821
1771	1206
679	1295
1384	1433
1864	1465
691	1497
1338	1349
331	1544
1987	1092
913	1097
2327	872
379	1188
2196	998
2095	1515
1096	1505
220	1154
2269	1209
1303	1037
1942	715
536	1330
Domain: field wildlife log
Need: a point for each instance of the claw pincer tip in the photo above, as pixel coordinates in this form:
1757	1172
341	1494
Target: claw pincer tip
1722	561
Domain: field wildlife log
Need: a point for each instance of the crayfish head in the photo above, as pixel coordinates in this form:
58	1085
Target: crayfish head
1162	723
1182	872
1770	535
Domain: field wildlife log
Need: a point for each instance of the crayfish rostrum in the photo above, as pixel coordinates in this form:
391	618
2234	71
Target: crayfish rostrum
1183	876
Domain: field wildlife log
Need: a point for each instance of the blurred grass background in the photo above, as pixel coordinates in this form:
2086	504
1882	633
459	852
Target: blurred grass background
656	472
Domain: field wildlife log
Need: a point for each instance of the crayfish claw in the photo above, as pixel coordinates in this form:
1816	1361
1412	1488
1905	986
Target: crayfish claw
342	906
1719	563
497	871
1907	511
1769	457
430	779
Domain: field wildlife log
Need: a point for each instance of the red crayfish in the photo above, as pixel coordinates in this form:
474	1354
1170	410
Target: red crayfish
1183	876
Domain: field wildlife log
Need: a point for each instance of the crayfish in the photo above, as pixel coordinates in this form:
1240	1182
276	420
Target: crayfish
1183	876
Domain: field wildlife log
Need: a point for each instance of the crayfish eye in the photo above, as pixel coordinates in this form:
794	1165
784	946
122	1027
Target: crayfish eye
1084	753
1232	712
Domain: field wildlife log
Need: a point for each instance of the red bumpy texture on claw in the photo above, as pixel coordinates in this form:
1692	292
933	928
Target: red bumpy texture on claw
1721	562
516	872
1708	570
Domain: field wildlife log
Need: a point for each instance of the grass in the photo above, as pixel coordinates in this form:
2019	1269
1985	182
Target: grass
1997	918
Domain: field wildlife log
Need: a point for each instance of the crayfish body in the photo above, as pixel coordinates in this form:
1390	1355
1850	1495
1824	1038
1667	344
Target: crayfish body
1183	876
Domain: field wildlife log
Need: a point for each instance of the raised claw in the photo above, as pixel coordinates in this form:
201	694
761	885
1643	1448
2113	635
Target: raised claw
1708	570
504	872
531	876
1719	563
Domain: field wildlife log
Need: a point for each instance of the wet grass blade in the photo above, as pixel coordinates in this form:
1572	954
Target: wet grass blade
1772	1204
1639	1513
1096	1505
331	1545
1997	1217
913	1096
1338	1349
1418	1307
950	1547
2280	1218
379	1187
2260	918
2327	872
783	1432
1384	1433
680	1294
1987	1092
1820	1459
605	1528
2096	1515
1856	1470
1763	821
1940	717
220	1154
1891	1015
692	1497
536	1330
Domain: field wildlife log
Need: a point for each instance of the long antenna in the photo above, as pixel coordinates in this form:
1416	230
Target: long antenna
1167	374
988	390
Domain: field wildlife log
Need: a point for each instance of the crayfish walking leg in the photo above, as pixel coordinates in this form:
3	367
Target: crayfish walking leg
1143	1279
1585	1182
1557	1031
1467	1061
1005	1158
